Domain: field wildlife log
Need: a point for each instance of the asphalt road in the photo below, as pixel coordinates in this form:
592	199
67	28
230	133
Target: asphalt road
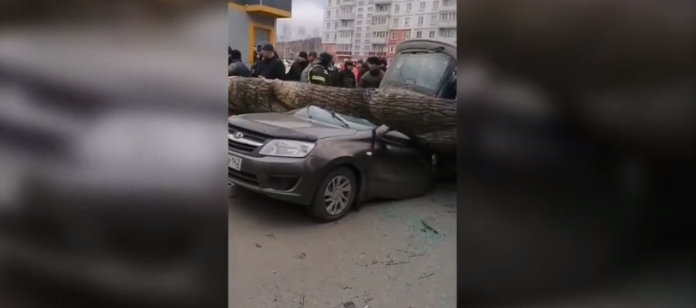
382	256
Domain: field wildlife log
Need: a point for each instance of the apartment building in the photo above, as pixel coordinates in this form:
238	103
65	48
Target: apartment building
358	29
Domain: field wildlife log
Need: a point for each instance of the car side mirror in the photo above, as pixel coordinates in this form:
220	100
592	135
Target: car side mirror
378	133
381	131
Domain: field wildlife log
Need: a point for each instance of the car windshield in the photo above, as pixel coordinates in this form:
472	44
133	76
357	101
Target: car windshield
424	72
316	114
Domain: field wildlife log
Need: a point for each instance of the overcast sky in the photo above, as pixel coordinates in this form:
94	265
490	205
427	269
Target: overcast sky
307	13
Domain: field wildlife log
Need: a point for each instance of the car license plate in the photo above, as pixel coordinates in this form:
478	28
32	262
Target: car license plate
234	162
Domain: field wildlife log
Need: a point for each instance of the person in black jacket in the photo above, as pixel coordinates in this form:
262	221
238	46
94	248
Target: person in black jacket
236	66
295	72
348	79
319	72
270	66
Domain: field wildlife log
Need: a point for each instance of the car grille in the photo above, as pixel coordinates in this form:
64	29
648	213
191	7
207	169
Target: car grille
244	177
252	137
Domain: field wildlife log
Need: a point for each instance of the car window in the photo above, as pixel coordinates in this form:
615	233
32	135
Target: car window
424	71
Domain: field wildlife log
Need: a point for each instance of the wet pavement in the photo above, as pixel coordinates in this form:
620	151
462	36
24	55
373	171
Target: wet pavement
389	254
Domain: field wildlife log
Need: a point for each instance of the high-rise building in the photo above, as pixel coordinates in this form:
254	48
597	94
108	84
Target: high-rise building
361	28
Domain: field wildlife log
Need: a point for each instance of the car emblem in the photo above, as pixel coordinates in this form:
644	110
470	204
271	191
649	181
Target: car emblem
238	135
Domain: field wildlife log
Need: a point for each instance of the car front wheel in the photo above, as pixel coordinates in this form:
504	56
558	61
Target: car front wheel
334	196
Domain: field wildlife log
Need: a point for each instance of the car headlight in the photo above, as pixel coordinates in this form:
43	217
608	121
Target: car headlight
287	148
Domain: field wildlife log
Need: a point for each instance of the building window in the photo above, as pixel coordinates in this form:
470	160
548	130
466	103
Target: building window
396	22
370	9
360	10
330	2
407	35
359	22
451	16
379	21
408	7
360	16
421	7
356	47
361	2
449	33
335	37
392	49
328	14
407	21
379	34
335	24
420	20
328	26
358	35
392	36
431	34
358	28
435	5
396	8
433	19
326	37
419	34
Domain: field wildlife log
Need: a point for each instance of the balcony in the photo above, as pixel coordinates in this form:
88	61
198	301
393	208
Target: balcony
344	40
382	2
447	24
347	2
348	27
346	16
378	40
381	13
382	27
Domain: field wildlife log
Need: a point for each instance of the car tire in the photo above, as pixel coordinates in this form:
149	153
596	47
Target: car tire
320	210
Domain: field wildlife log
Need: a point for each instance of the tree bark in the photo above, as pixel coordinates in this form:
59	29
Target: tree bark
432	122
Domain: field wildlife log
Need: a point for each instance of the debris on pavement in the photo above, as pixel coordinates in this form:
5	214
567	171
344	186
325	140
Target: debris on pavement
349	305
427	227
271	236
257	245
302	300
392	262
411	254
302	255
426	275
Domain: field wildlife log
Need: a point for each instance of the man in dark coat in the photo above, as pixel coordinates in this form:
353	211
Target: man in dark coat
335	74
348	79
270	66
373	77
295	73
236	66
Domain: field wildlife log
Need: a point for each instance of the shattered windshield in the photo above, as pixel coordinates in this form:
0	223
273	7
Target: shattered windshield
313	113
423	72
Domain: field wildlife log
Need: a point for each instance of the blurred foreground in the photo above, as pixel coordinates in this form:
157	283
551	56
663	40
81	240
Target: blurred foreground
112	192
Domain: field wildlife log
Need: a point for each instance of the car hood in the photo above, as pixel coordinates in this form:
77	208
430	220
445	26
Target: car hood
281	125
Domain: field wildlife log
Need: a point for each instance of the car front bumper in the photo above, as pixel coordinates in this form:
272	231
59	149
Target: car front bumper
292	180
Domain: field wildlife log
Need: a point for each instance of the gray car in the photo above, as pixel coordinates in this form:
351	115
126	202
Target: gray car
325	161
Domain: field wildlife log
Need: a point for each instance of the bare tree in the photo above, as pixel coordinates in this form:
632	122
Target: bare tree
301	33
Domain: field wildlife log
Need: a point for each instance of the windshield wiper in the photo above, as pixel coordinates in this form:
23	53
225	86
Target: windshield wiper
340	120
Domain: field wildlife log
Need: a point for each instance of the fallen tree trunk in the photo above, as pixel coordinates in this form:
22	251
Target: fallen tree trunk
432	122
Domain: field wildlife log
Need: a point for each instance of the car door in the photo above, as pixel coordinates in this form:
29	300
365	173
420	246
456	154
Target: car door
401	169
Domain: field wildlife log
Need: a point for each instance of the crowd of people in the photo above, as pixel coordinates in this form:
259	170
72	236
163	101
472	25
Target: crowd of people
313	67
